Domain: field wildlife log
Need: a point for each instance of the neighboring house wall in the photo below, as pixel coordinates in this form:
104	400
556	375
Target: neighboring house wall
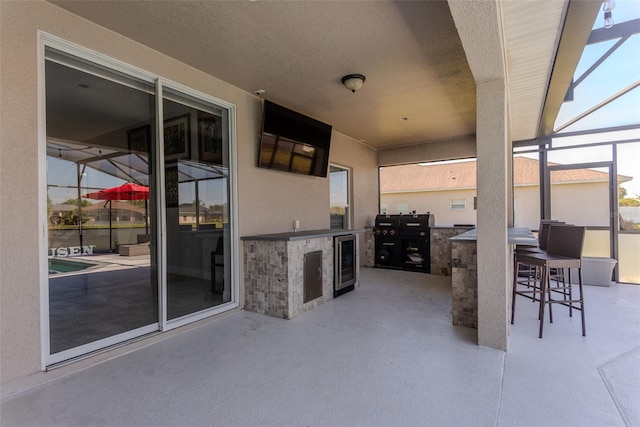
585	203
526	202
581	203
568	202
579	196
436	202
268	201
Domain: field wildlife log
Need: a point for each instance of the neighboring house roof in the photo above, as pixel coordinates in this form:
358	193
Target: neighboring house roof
462	175
190	209
63	208
115	205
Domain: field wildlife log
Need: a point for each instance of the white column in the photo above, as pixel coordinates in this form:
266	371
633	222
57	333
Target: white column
480	29
493	165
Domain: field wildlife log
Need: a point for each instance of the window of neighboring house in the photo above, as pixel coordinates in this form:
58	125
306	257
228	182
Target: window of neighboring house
339	197
458	204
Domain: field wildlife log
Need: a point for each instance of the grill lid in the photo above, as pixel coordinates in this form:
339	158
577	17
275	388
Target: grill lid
417	222
388	221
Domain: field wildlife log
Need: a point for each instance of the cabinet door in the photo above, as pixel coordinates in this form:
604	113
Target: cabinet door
312	276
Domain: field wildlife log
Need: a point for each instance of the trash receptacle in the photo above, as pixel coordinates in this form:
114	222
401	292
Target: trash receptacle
595	271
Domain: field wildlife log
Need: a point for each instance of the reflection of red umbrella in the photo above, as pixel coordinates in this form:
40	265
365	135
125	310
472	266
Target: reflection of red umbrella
128	191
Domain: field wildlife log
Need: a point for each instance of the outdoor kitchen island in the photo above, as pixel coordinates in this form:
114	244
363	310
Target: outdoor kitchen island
287	274
464	279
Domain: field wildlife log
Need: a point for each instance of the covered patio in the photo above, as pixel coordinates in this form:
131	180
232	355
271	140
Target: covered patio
385	354
445	80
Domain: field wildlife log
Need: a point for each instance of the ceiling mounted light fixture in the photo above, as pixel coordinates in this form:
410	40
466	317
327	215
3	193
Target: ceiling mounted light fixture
353	82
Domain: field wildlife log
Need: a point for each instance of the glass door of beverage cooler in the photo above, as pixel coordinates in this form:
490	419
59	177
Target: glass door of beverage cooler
345	264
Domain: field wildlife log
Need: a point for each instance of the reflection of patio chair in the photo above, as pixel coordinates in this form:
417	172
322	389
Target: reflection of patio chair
217	261
143	238
134	250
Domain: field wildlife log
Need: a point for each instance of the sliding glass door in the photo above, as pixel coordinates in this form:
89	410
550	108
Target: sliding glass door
101	207
140	231
196	168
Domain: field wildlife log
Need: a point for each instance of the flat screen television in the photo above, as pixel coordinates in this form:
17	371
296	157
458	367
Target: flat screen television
293	142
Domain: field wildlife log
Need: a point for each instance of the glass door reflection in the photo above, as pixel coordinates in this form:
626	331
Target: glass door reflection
196	205
103	286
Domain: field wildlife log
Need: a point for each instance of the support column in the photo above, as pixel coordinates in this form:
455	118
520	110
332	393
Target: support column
480	29
493	175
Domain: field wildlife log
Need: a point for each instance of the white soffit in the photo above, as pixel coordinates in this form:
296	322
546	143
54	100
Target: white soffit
531	34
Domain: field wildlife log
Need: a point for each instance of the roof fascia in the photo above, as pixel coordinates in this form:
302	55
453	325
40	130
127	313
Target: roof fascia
574	36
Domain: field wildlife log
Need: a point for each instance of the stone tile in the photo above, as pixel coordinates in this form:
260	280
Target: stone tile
464	290
274	275
441	249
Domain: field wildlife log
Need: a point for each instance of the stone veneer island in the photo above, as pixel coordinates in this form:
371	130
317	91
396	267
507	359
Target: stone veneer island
464	280
274	270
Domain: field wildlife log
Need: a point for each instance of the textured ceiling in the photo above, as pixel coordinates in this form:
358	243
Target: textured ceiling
418	86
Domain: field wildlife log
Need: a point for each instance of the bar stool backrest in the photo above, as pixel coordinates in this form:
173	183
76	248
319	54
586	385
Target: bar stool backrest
543	236
566	240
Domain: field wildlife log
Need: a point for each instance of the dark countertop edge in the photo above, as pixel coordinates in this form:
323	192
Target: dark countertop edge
464	227
302	235
516	236
469	236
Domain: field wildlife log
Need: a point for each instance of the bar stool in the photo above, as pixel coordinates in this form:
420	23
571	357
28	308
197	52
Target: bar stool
563	251
543	236
531	274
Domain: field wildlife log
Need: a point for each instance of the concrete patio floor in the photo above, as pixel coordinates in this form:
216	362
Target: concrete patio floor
383	355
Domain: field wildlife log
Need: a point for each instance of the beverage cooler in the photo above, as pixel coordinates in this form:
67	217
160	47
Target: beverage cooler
345	268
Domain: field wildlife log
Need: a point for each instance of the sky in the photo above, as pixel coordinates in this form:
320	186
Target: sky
618	72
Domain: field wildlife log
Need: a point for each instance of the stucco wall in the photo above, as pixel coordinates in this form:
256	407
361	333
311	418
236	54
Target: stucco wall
364	178
276	199
267	201
459	148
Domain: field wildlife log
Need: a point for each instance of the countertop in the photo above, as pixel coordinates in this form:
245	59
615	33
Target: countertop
515	236
302	235
466	227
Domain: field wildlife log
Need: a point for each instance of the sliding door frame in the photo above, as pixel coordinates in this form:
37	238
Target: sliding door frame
46	40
